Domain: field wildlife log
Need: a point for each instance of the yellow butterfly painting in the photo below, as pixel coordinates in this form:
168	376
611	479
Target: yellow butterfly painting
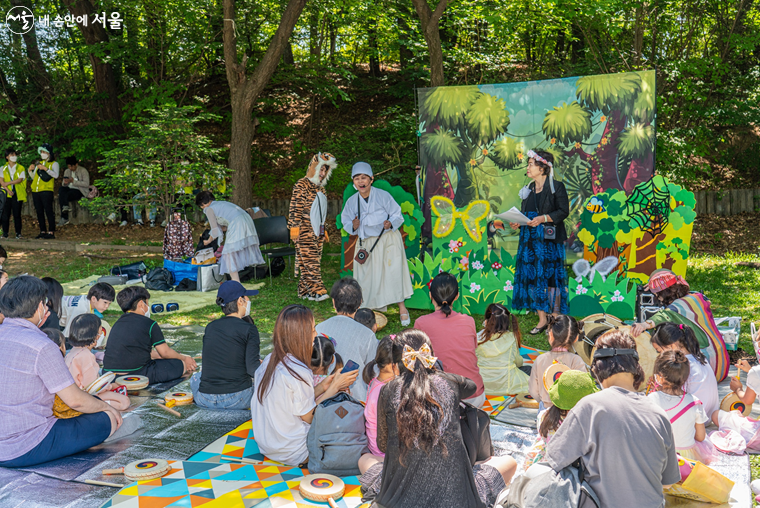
447	214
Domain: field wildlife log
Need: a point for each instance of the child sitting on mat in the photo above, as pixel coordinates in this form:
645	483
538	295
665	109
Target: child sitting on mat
498	353
387	366
367	318
701	383
136	344
85	331
563	332
565	393
324	359
685	411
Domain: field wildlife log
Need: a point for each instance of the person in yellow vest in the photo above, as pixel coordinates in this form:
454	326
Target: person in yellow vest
13	184
43	175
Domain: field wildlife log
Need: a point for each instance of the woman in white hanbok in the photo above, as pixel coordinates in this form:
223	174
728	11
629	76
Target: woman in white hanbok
375	217
241	245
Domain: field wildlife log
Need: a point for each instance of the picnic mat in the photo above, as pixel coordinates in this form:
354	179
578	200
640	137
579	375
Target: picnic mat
228	485
187	300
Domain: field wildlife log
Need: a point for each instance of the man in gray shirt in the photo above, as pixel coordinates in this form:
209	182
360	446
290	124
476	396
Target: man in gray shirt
354	340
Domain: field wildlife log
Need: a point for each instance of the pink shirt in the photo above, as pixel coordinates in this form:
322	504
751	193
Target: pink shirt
83	366
454	340
370	415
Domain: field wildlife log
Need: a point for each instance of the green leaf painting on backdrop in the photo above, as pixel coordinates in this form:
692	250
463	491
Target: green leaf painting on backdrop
474	139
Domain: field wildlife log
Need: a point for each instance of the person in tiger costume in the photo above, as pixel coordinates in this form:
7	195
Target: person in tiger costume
306	221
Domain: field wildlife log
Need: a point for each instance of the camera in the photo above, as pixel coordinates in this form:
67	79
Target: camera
550	232
361	256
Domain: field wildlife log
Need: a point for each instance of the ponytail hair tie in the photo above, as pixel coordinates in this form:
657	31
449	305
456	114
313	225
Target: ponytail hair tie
392	337
444	303
680	327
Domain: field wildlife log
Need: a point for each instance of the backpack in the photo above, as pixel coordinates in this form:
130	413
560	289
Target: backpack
565	489
159	279
178	240
337	437
476	432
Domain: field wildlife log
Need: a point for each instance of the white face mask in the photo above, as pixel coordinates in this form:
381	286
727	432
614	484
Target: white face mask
45	156
248	308
12	158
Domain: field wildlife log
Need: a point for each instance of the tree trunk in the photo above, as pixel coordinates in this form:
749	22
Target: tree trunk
314	34
374	50
37	71
245	90
105	79
287	55
638	33
429	21
154	18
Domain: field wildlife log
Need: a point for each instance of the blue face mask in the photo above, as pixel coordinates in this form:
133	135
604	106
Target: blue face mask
97	313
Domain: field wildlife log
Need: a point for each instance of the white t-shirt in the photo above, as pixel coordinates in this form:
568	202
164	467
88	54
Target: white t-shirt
753	379
683	427
71	307
702	384
277	425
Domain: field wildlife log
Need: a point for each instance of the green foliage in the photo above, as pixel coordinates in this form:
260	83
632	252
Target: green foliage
164	156
487	118
637	140
443	147
605	93
568	123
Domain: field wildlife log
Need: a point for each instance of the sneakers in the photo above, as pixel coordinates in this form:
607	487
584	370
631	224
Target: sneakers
5	237
152	223
123	223
41	236
139	223
163	223
18	236
316	297
49	236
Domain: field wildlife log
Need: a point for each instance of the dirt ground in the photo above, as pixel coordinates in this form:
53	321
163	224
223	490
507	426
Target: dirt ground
714	234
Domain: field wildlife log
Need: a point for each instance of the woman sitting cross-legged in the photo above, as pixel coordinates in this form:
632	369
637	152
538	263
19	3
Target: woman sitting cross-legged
230	353
284	397
426	462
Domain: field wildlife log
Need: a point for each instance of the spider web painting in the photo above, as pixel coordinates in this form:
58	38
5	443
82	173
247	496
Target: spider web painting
648	207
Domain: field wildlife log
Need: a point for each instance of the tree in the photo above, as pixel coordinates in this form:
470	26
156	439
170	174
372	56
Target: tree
623	156
429	19
96	38
245	90
161	158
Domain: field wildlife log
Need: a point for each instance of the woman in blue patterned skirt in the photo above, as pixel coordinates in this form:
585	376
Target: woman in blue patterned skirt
540	275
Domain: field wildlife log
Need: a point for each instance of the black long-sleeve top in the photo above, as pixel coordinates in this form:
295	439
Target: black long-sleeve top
556	205
230	356
442	480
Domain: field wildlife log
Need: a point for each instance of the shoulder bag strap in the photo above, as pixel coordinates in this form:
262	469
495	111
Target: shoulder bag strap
683	411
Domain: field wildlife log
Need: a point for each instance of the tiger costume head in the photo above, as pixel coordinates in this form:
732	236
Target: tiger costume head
319	161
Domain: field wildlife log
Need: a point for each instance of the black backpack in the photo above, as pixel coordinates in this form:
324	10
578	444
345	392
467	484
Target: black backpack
159	279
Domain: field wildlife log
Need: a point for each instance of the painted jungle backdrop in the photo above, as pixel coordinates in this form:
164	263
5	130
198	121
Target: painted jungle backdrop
473	139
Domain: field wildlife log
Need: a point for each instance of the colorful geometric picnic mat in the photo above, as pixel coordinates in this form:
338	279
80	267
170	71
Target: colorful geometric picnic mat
210	484
529	354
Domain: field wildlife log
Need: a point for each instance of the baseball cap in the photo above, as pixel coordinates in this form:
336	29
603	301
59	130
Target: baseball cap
231	290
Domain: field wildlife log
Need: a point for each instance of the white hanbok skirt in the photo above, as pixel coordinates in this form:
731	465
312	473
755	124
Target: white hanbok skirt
241	245
385	277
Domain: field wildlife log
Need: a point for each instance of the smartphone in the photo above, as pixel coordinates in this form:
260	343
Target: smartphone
349	367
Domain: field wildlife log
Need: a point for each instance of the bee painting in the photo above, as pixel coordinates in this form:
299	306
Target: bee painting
596	206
